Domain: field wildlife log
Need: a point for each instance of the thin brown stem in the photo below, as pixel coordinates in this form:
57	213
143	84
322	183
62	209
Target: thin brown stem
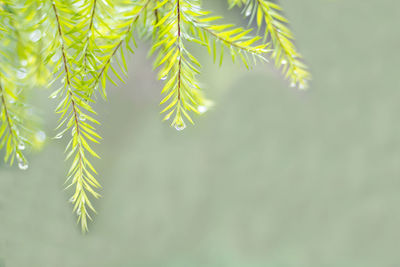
178	10
8	119
121	42
70	93
90	31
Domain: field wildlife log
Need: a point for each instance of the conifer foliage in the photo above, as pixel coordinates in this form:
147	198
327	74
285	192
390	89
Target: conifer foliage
76	47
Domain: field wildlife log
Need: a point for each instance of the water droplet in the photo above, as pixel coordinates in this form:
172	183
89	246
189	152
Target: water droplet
78	212
24	62
23	165
35	36
58	136
21	146
164	78
248	12
56	57
201	109
40	136
21	73
284	62
72	199
82	117
180	126
293	84
302	86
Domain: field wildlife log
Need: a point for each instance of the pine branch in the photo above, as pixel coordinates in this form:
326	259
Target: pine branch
179	68
81	173
230	41
124	37
287	58
236	40
285	53
10	137
17	126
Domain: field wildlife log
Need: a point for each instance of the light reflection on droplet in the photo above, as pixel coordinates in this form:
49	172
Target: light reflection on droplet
21	73
180	127
21	146
40	136
56	57
23	165
35	36
201	109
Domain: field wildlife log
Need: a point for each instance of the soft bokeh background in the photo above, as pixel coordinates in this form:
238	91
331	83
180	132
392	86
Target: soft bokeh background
269	177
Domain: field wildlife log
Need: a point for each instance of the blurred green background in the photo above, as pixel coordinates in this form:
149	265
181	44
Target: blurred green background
269	177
